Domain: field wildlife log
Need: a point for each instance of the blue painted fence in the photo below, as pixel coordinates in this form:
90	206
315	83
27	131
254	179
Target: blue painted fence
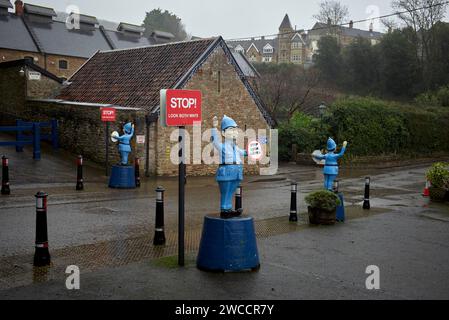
34	138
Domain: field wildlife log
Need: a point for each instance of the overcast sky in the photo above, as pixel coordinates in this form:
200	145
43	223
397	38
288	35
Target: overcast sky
228	18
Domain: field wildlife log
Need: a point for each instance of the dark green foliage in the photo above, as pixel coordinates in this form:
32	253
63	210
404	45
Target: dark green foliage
165	21
323	199
374	127
329	60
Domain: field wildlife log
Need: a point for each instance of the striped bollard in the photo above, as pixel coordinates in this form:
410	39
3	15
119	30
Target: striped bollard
366	204
293	208
41	253
5	176
79	173
238	199
159	234
137	171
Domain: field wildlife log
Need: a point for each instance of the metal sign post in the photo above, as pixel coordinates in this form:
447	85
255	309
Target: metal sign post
181	194
180	108
107	115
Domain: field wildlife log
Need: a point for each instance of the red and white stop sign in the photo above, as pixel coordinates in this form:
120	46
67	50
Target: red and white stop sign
107	114
180	107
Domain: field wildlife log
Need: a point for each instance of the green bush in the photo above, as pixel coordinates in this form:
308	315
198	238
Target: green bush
302	130
438	175
373	127
323	199
437	98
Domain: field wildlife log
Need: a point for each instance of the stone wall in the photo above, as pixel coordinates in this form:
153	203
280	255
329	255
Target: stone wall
222	93
50	62
81	130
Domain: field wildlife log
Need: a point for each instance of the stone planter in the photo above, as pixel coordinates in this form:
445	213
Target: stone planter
321	216
437	194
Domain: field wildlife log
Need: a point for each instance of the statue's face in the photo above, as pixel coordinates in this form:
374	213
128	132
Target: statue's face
231	133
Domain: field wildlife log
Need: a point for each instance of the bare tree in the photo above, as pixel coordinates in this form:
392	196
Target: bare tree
421	16
332	12
286	89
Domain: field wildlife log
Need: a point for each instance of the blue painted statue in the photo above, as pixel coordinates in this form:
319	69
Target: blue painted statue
330	169
230	171
124	140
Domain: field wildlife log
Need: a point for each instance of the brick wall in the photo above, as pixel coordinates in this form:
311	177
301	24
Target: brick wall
81	130
233	100
48	62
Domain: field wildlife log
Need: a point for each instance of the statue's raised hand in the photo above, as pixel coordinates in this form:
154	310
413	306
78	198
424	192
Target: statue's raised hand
345	143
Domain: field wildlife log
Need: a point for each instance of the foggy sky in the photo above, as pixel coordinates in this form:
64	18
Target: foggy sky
228	18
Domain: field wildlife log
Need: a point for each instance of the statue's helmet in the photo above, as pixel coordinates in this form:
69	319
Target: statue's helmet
331	145
227	122
127	128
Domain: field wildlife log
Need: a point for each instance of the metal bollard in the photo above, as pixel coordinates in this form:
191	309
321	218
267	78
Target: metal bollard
41	253
366	204
293	211
238	198
159	235
79	173
137	171
5	176
335	186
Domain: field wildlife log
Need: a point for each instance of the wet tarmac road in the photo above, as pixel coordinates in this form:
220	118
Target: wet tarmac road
102	215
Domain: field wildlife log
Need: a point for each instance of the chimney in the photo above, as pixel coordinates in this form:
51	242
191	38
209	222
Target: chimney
263	38
19	7
329	22
371	27
351	24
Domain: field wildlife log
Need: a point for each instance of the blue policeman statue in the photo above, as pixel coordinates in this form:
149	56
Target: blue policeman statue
230	171
330	169
124	143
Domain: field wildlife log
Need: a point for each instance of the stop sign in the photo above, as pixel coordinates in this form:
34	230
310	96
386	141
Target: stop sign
107	114
180	107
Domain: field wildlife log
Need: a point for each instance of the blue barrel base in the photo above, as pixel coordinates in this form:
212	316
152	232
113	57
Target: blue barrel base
340	216
228	245
122	177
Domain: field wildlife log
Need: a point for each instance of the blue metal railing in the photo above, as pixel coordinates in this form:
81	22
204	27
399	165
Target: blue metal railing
35	138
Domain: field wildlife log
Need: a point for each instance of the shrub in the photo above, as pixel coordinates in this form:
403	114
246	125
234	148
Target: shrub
323	199
438	175
436	98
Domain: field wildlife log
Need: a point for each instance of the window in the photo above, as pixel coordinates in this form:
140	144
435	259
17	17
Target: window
219	82
239	48
296	58
267	59
252	58
30	58
268	49
63	64
296	45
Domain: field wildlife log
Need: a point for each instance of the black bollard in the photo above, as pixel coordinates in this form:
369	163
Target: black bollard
335	186
238	198
366	204
41	254
159	235
5	176
293	211
79	173
137	171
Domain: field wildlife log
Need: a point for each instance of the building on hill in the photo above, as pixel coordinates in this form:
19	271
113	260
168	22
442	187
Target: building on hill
297	46
42	34
344	35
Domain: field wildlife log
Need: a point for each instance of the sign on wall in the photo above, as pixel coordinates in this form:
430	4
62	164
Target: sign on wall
180	107
33	75
140	139
107	114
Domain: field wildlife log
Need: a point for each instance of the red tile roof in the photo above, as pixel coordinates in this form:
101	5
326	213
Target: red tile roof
134	77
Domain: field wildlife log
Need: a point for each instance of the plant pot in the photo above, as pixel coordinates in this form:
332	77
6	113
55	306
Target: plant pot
321	216
437	194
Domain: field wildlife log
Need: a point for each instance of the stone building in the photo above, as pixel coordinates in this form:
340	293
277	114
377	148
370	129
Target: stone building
57	43
130	80
298	46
